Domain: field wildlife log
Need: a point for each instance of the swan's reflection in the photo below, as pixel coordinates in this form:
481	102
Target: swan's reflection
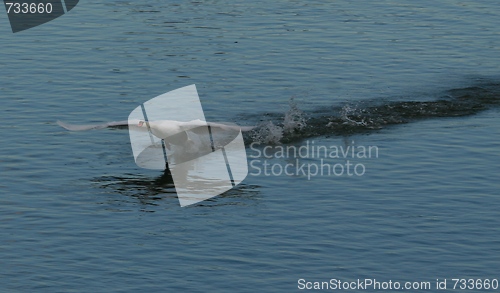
150	192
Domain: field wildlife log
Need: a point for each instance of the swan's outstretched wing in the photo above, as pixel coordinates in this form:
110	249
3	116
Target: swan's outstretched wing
117	124
198	125
228	126
194	125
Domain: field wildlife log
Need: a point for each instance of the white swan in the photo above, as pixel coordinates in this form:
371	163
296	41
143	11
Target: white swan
177	132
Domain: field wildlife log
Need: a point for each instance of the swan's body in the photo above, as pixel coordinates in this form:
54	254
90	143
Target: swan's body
165	128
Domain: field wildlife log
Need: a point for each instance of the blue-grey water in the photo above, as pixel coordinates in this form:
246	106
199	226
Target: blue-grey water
77	214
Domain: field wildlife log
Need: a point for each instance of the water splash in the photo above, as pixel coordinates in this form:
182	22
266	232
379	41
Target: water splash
291	125
349	111
268	133
367	116
294	119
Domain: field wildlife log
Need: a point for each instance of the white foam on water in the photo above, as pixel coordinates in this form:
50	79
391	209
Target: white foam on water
273	133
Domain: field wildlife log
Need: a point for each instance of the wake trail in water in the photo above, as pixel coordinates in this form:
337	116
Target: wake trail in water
368	116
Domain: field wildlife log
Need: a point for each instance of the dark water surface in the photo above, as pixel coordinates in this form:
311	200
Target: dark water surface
418	81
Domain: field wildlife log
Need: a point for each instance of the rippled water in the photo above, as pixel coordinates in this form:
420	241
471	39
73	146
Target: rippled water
417	80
